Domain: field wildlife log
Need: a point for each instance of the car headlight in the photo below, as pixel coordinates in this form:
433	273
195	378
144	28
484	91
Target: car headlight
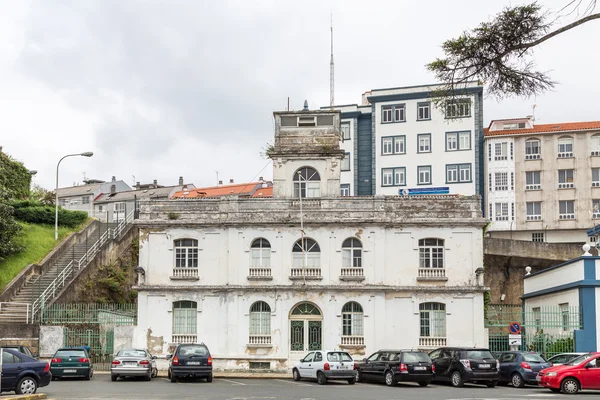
551	374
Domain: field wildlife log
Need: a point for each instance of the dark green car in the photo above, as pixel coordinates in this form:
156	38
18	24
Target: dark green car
71	362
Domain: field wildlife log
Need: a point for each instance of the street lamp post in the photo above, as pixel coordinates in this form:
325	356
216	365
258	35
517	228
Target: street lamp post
86	154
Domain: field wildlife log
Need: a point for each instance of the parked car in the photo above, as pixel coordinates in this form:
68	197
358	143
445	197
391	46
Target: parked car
72	362
23	374
393	366
133	362
190	360
326	365
459	365
563	358
581	373
520	367
22	349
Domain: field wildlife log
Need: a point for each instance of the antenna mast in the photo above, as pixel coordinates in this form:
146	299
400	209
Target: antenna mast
331	85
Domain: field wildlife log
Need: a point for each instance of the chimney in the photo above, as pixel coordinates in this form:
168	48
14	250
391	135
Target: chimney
113	189
365	101
261	179
155	183
137	185
180	180
231	180
114	179
220	182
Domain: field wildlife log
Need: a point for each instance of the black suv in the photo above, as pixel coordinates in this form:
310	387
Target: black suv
190	360
459	365
393	366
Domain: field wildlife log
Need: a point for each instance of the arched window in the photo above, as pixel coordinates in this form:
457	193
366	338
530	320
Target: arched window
533	149
306	254
565	147
184	321
186	253
260	321
351	253
306	309
260	253
352	319
431	253
433	320
307	183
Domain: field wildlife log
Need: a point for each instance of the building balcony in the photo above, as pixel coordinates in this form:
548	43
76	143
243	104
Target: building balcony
567	154
432	274
595	184
259	341
432	342
313	274
352	274
353	341
533	187
532	156
566	185
184	338
260	274
185	274
595	153
534	218
563	217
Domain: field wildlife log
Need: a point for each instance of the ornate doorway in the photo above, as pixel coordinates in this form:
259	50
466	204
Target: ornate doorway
306	330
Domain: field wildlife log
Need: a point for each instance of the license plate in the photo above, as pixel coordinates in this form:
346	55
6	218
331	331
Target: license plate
70	371
130	363
193	363
420	368
484	366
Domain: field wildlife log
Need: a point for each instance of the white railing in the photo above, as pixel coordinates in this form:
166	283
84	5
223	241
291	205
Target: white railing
260	273
259	339
185	272
64	277
306	273
567	185
353	272
184	338
353	341
566	216
566	154
535	156
14	311
307	203
432	272
432	341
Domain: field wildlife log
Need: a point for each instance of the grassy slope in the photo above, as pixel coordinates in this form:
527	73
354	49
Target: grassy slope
38	241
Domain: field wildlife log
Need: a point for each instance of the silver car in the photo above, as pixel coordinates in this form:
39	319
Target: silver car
133	362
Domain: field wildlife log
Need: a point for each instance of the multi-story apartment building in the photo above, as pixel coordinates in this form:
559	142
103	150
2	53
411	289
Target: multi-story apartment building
82	197
543	180
262	280
399	142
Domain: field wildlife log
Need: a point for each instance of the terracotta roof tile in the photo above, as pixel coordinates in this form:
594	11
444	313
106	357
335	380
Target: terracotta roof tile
238	189
546	128
264	192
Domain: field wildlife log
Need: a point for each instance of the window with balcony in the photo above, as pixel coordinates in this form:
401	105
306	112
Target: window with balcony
352	260
352	324
534	211
345	131
532	149
433	324
501	181
431	258
565	178
306	259
307	183
260	259
500	151
595	177
260	324
533	180
596	208
184	322
501	212
566	209
565	147
595	145
186	258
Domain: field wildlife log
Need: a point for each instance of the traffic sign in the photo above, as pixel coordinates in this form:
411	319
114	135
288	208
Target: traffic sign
514	328
515	340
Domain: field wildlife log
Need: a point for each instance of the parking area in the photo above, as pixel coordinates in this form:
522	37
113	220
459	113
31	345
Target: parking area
100	387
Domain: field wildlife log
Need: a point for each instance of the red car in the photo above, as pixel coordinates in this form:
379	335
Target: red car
581	373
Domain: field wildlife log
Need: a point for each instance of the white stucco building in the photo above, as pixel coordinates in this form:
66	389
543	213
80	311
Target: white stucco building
242	276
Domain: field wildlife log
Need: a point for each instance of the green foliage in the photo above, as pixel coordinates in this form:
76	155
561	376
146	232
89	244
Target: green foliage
42	195
173	215
9	229
35	212
14	177
36	241
547	345
487	300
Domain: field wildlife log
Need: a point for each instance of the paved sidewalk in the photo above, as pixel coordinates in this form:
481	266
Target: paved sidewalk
227	374
38	396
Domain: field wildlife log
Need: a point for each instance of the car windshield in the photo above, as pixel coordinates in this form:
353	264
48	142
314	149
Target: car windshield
193	350
338	356
579	359
131	353
535	358
479	354
69	353
416	357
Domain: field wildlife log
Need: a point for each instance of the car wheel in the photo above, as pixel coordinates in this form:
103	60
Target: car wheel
570	386
321	378
456	379
517	381
113	378
26	385
53	378
491	384
296	375
89	376
351	381
154	373
423	384
209	379
389	378
172	377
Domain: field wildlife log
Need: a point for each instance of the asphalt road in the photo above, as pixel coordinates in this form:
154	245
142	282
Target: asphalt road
100	387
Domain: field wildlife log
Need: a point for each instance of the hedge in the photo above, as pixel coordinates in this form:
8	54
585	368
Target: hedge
45	215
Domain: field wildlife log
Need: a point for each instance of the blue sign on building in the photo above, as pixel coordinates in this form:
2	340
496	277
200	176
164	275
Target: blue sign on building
425	190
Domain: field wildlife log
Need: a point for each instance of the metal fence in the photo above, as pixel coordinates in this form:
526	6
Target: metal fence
92	313
100	341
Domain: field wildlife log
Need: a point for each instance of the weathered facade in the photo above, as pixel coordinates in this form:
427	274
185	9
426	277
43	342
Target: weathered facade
263	280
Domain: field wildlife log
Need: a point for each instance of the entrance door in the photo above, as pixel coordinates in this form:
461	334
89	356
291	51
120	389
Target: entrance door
306	331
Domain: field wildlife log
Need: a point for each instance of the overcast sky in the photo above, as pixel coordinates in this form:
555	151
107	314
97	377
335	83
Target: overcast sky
160	89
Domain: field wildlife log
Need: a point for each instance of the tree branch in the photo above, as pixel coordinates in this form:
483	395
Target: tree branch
557	32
